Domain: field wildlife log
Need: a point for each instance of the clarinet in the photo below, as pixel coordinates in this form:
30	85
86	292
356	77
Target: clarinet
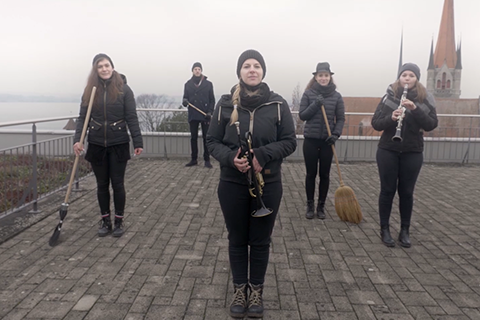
398	132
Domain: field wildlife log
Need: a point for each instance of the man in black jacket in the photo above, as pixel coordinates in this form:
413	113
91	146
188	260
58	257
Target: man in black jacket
198	97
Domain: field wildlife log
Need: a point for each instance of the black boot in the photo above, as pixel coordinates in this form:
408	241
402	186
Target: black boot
238	307
310	213
118	228
255	301
191	163
208	164
321	210
105	225
404	237
386	236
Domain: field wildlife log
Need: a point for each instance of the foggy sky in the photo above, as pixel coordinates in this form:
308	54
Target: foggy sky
47	46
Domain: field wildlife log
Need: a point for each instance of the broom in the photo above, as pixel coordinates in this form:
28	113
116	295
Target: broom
64	206
346	204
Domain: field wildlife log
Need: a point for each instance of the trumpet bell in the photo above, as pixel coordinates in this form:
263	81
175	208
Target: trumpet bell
262	212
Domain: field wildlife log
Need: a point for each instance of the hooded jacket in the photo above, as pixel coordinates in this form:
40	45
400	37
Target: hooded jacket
273	137
423	118
109	121
200	96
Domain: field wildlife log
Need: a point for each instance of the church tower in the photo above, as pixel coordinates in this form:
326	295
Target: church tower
445	67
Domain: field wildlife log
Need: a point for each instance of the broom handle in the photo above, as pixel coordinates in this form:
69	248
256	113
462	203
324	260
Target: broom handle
191	105
333	146
82	137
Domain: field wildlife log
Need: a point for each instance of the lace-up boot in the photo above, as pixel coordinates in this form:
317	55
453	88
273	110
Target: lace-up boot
238	307
255	301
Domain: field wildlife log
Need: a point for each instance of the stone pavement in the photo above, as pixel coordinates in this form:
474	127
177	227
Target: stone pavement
172	262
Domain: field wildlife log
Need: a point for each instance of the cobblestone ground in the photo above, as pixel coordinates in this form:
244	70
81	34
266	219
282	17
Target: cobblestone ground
172	262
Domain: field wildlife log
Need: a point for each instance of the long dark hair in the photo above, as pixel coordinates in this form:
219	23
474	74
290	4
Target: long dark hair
312	81
419	88
113	86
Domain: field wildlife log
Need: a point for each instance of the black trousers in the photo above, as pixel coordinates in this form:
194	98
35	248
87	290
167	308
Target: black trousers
245	231
110	170
194	138
318	159
398	171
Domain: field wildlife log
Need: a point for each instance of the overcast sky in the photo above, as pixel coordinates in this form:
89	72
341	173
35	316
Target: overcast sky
47	46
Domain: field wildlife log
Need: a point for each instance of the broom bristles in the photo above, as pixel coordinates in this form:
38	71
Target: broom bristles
346	205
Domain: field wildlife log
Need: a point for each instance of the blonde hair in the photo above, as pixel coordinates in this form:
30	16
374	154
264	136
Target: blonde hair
235	102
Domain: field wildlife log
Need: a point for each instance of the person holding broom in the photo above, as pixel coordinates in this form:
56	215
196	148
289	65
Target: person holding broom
251	108
317	146
113	112
399	160
198	97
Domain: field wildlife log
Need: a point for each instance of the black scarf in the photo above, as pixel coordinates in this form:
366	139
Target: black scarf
252	97
324	90
197	80
393	102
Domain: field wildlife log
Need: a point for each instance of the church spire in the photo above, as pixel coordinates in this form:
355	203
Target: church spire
459	56
400	60
431	65
445	50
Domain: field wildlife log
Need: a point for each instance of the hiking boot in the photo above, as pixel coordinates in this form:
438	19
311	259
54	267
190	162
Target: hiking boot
238	307
255	301
191	163
386	236
404	237
310	213
321	210
105	226
118	228
208	164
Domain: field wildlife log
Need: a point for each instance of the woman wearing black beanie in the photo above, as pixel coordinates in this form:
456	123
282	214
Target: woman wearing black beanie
266	115
399	160
317	150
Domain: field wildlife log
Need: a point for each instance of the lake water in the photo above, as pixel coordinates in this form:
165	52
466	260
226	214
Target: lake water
16	111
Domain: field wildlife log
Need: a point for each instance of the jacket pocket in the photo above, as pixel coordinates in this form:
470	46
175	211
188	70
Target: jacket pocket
94	125
119	125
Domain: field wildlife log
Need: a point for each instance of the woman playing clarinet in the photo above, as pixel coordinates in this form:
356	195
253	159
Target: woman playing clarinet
265	117
400	153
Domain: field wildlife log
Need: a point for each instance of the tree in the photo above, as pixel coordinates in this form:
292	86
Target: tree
152	120
295	106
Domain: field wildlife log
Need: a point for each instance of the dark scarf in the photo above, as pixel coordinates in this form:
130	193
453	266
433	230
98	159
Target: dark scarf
393	102
197	80
324	90
252	97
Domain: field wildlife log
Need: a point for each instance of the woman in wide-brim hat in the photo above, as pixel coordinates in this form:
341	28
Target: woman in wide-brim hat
317	150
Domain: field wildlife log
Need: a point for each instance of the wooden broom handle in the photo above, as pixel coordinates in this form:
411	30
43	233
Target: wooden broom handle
191	105
82	137
333	146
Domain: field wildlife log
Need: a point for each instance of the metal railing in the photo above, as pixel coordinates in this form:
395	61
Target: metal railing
36	169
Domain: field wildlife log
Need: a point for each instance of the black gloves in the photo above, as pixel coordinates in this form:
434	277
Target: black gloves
185	102
331	140
319	100
208	117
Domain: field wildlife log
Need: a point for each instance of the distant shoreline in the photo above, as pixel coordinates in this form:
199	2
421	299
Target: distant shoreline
37	98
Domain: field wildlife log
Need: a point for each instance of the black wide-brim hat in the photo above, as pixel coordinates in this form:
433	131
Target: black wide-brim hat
323	67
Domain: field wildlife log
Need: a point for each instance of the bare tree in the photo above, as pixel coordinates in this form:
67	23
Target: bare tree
295	106
152	120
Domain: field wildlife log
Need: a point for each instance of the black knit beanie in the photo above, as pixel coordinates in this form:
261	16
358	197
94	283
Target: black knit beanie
197	64
251	54
102	56
411	67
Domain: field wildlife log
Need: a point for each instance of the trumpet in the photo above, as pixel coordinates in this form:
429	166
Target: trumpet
255	180
398	133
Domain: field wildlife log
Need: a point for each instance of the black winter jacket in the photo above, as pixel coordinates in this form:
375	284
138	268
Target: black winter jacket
423	118
201	97
109	121
312	114
273	135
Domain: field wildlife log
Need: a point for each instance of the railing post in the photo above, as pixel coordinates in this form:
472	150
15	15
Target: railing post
34	170
466	156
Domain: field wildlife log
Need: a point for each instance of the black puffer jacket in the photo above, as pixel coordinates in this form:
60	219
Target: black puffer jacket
109	121
312	114
201	97
273	134
423	118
